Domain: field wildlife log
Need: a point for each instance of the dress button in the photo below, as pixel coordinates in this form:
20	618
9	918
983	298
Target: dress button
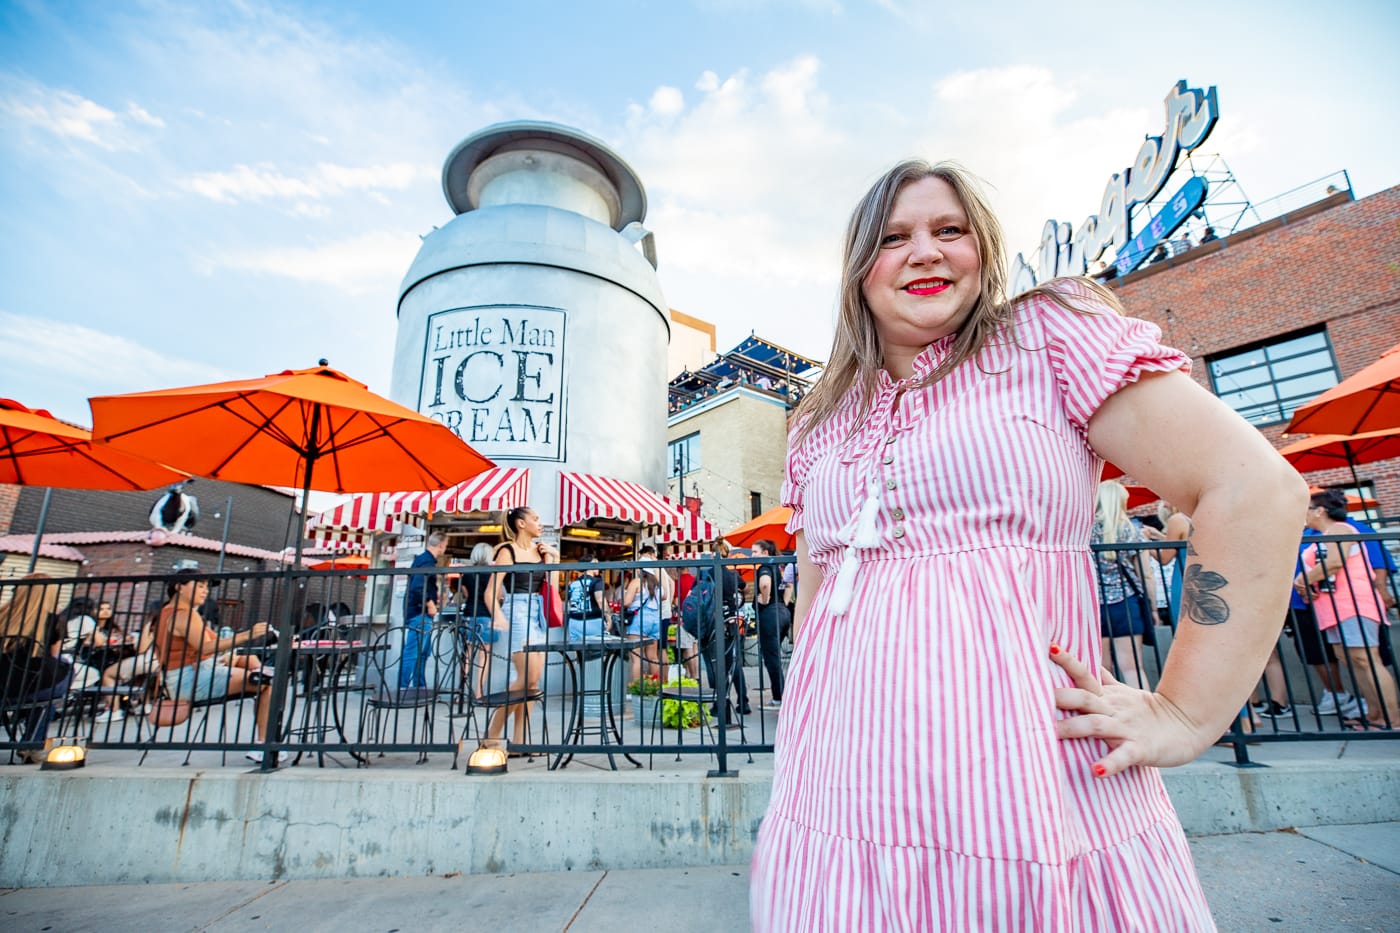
897	515
889	458
889	440
899	532
889	484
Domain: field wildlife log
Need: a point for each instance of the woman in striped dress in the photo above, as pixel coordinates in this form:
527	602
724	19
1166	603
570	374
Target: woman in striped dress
950	756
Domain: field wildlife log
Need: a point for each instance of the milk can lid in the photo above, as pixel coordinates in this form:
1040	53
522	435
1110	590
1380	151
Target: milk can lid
518	134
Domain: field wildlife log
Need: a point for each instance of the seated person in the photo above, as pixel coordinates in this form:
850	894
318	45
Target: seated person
79	624
130	670
198	664
107	643
32	672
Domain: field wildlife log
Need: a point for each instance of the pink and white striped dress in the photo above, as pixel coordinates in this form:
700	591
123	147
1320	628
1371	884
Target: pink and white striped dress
918	782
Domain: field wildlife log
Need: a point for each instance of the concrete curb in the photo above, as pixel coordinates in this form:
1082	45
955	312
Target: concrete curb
172	825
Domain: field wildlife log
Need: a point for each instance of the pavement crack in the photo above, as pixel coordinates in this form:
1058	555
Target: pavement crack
237	907
1351	855
586	899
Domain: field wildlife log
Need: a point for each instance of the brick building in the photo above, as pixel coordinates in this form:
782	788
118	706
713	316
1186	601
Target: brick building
727	429
1275	314
108	533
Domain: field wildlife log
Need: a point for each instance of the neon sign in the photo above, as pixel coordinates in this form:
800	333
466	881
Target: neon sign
1190	116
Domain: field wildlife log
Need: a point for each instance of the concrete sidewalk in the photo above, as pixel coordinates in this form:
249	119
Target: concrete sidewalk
1316	880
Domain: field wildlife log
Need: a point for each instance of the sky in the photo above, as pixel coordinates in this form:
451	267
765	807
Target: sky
197	192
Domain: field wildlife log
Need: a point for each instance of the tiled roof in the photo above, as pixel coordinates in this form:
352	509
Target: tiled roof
24	544
193	542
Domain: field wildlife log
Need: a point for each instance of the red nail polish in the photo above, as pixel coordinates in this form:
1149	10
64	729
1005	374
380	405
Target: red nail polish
1100	770
1054	649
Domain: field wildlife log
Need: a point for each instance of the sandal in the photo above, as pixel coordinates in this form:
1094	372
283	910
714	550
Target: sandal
528	756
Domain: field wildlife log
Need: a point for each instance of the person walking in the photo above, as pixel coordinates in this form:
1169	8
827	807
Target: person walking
519	609
951	756
420	605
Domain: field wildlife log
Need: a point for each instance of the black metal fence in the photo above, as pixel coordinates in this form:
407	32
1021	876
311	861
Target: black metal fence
282	665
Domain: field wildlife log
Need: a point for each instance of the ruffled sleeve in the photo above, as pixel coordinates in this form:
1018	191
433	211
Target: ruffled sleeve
1095	351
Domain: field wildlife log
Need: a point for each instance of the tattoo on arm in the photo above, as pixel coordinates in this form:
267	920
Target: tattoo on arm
1199	601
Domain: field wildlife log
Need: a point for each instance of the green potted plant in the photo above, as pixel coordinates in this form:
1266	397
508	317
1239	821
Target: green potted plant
683	714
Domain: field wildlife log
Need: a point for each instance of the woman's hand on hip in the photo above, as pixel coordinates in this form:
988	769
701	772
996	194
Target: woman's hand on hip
1138	726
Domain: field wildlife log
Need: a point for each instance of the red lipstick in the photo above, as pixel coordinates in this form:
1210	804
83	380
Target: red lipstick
927	286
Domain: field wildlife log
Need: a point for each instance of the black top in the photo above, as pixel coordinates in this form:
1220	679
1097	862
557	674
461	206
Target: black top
519	581
593	585
473	591
26	669
774	605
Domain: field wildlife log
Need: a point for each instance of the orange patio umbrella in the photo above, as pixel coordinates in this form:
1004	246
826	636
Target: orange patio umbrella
1330	451
1367	401
37	449
305	428
772	525
1139	495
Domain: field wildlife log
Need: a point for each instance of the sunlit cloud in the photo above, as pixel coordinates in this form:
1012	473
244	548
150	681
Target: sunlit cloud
265	182
74	118
358	265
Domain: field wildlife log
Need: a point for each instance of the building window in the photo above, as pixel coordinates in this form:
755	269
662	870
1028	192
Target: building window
683	455
755	504
1267	381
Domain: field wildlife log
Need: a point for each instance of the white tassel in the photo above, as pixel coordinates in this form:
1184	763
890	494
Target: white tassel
845	584
867	533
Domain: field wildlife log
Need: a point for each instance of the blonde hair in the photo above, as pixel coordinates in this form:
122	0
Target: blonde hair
856	354
1111	508
28	610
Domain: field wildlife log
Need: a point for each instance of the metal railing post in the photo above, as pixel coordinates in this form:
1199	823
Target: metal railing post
721	666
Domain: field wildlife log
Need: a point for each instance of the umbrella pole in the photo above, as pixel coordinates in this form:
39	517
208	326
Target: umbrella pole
1351	464
39	529
223	544
283	674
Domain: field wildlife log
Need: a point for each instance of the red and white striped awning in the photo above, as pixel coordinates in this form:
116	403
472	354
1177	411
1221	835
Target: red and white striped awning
352	523
585	495
495	490
695	530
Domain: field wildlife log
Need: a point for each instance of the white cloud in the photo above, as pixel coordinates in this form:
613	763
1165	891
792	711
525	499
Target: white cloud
57	364
751	185
326	180
667	101
358	265
72	117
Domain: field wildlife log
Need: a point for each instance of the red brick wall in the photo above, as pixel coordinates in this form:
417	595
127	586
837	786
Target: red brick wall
1336	263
